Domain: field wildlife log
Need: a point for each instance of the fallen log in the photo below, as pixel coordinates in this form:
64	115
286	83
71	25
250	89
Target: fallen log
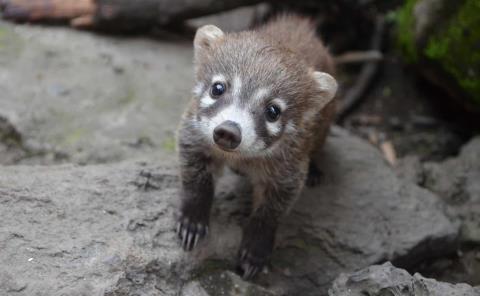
115	14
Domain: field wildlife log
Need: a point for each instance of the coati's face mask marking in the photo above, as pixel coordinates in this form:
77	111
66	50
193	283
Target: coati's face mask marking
236	120
241	112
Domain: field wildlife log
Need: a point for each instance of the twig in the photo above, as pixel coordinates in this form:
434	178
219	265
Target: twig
356	93
359	57
389	153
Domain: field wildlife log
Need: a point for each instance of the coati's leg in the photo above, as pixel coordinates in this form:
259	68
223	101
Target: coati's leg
271	203
197	194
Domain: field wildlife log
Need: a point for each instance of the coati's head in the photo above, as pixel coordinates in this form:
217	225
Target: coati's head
251	92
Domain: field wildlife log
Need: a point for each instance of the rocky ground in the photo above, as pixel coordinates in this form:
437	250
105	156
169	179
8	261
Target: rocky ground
98	113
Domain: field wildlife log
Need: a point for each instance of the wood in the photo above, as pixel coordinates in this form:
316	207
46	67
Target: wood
359	57
38	10
115	14
354	95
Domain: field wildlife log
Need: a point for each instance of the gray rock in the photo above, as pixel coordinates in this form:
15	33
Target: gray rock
108	229
386	280
456	182
91	98
235	20
223	283
410	168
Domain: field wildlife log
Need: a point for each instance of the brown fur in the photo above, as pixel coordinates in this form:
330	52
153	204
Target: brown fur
282	55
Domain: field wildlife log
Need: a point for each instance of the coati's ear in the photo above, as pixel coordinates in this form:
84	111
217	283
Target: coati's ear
205	37
327	85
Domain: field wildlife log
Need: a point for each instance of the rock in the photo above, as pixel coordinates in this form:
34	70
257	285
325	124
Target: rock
108	229
11	141
91	98
387	280
456	182
234	20
223	283
441	38
409	168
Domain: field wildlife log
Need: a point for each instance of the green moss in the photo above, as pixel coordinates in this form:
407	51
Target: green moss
3	33
208	267
457	48
10	43
128	98
74	136
405	31
169	144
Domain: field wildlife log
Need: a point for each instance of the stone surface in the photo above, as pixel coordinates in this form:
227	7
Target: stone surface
410	168
85	98
108	229
456	181
387	280
234	20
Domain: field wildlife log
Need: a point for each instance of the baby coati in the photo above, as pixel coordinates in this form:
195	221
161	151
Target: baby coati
262	105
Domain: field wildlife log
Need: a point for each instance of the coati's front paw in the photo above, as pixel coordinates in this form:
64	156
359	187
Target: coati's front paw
255	250
191	229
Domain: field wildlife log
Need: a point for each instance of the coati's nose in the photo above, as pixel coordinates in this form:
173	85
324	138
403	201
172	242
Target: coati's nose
227	135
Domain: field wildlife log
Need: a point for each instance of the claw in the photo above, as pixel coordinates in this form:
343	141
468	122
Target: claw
195	242
200	233
190	239
190	233
246	272
243	254
184	235
249	272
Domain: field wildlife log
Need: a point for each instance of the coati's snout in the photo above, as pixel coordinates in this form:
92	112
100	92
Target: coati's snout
227	135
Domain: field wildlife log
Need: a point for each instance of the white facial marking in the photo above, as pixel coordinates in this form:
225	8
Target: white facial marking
236	86
259	94
273	127
280	103
197	89
218	78
238	115
206	100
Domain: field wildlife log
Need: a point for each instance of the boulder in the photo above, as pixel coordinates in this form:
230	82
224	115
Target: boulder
456	181
387	280
107	229
78	97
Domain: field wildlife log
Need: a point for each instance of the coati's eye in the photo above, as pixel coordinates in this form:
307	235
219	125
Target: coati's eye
272	112
218	88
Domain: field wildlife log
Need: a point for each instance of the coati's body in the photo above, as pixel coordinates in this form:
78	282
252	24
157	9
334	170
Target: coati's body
262	106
